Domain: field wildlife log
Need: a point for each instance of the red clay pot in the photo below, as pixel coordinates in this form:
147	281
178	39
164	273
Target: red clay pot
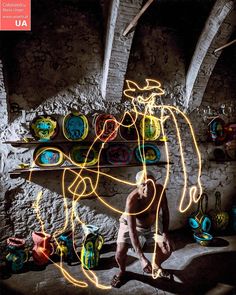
43	248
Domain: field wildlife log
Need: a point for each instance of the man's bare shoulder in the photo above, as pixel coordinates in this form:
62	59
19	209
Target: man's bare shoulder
132	197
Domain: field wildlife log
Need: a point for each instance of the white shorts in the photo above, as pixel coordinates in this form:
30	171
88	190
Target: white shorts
147	235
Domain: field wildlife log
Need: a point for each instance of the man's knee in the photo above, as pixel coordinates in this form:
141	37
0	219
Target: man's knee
121	251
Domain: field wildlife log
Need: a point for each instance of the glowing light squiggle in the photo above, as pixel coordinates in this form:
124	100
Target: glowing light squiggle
85	187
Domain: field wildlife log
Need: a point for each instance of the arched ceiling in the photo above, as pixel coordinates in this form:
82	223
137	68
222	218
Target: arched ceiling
191	20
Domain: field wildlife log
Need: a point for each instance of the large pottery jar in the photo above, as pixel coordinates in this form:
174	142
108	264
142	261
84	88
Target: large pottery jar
43	248
17	254
92	244
65	247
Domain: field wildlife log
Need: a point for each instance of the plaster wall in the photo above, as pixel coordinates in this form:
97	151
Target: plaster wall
57	68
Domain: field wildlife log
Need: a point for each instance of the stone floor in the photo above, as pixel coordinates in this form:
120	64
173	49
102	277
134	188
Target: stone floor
196	270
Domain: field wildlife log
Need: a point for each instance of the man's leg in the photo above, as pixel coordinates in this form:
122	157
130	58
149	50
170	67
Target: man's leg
121	254
160	257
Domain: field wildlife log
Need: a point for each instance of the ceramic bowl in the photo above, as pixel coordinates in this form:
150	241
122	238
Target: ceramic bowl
203	238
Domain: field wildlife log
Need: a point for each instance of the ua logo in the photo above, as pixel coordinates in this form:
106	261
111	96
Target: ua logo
20	23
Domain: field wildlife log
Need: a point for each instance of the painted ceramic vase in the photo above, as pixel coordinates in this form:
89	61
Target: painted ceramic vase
92	244
147	153
118	154
47	156
44	128
129	130
75	127
199	221
220	219
217	131
106	127
17	254
43	248
150	128
84	155
65	248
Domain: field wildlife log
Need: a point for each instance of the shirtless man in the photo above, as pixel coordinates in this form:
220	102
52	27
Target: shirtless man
133	226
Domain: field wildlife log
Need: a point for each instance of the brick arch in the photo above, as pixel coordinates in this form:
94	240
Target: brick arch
217	31
117	47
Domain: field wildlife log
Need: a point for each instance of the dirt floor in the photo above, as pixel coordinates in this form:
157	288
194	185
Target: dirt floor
196	270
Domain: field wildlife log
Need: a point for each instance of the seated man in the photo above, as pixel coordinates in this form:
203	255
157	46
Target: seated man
134	226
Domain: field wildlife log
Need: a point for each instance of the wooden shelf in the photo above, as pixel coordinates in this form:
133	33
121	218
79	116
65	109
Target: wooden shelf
50	142
17	172
64	141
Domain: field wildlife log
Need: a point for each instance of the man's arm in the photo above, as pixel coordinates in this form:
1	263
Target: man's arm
165	221
165	213
131	219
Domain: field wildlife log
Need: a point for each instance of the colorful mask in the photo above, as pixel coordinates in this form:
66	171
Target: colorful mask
129	132
217	130
150	128
106	127
48	156
147	153
75	127
80	155
118	154
44	128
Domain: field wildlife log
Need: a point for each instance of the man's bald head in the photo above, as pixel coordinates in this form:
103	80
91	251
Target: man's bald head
141	177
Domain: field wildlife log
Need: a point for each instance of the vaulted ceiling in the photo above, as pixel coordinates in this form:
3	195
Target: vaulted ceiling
202	25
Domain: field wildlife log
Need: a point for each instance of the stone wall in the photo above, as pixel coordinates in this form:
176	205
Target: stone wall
218	101
53	69
56	68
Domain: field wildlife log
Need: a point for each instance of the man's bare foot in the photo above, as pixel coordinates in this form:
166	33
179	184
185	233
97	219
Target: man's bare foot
118	280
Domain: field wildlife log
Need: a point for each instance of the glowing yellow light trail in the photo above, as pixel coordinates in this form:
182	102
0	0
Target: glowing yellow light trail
84	186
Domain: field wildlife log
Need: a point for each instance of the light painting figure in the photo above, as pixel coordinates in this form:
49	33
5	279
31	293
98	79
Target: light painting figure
143	101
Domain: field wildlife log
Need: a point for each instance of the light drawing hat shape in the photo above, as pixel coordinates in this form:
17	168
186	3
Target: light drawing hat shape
153	88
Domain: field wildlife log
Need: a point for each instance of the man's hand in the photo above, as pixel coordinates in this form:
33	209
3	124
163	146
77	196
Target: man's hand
145	263
165	244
